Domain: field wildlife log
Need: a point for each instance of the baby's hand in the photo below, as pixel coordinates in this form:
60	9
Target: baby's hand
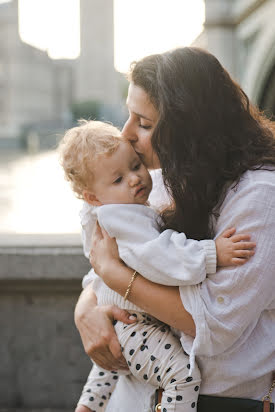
82	408
233	249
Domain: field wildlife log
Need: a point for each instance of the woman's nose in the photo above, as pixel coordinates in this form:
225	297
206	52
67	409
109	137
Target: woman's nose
129	132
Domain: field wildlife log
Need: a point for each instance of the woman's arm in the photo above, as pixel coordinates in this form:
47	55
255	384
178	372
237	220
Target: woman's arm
95	325
163	302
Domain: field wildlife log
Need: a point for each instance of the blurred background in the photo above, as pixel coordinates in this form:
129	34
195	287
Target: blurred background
61	60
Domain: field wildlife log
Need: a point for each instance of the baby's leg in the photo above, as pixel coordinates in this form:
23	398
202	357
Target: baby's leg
155	355
98	389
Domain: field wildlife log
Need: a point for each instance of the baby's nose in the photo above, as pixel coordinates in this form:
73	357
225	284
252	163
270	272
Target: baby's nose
134	180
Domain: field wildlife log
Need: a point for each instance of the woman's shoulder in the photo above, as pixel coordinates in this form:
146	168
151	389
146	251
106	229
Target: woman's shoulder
257	179
253	186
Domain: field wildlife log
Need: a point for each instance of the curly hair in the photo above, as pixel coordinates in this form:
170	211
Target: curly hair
79	149
207	136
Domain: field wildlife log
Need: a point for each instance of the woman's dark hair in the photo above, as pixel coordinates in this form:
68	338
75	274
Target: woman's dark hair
207	136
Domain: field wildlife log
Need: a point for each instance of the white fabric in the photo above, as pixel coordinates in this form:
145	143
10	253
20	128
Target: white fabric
234	310
168	258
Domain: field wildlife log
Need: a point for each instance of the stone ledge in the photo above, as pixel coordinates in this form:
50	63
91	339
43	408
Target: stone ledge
38	263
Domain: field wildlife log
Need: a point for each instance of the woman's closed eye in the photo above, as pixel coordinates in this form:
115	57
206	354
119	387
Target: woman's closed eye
142	126
137	166
118	180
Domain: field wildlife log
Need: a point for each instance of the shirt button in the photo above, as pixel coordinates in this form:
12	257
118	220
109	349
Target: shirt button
220	299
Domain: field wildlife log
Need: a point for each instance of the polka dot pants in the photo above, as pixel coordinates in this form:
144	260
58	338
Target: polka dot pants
154	355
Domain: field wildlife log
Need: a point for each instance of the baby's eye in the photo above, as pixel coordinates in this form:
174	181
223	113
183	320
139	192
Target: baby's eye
118	180
137	166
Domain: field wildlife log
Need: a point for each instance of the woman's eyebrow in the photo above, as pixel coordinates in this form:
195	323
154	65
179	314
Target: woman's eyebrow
142	116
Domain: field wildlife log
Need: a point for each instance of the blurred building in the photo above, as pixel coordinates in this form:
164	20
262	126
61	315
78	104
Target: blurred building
96	78
241	33
34	88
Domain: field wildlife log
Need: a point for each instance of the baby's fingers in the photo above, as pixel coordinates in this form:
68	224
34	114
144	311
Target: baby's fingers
240	237
228	232
238	261
246	254
244	245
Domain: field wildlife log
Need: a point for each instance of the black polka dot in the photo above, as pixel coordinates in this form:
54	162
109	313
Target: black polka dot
185	353
189	379
114	322
172	380
103	397
156	369
91	399
134	314
114	372
132	351
169	399
168	370
193	404
101	404
145	377
124	327
171	357
188	366
88	390
138	366
179	398
133	333
158	378
144	340
122	349
152	358
167	346
144	333
129	363
107	384
115	377
142	347
98	384
196	388
164	410
101	373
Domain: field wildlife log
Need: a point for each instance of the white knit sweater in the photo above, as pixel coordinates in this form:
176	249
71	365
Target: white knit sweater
143	248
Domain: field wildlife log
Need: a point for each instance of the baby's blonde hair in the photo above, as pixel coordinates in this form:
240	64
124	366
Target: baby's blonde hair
80	147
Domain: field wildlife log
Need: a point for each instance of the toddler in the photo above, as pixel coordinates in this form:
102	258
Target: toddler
107	173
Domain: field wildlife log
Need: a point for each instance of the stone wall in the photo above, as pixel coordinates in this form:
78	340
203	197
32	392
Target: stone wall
43	364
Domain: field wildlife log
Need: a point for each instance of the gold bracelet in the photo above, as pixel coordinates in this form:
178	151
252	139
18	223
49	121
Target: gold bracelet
128	290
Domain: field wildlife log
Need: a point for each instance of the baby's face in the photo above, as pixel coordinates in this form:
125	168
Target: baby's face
121	177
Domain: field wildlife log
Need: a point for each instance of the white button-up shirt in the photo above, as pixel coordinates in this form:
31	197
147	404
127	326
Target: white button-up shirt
234	310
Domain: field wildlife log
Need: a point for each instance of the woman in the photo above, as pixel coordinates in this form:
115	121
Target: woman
217	155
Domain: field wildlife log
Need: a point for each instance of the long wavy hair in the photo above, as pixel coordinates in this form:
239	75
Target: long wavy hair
207	136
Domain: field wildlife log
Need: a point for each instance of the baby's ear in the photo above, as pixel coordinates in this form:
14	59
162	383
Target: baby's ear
91	198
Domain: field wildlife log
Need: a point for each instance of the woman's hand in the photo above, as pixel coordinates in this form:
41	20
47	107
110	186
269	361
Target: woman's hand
104	255
95	325
82	408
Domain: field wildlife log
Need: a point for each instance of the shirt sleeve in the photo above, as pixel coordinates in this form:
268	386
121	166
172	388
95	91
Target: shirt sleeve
227	306
168	258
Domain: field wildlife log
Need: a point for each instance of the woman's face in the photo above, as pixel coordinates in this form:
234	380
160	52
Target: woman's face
140	125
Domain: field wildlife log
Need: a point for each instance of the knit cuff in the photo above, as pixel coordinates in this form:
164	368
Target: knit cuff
209	247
